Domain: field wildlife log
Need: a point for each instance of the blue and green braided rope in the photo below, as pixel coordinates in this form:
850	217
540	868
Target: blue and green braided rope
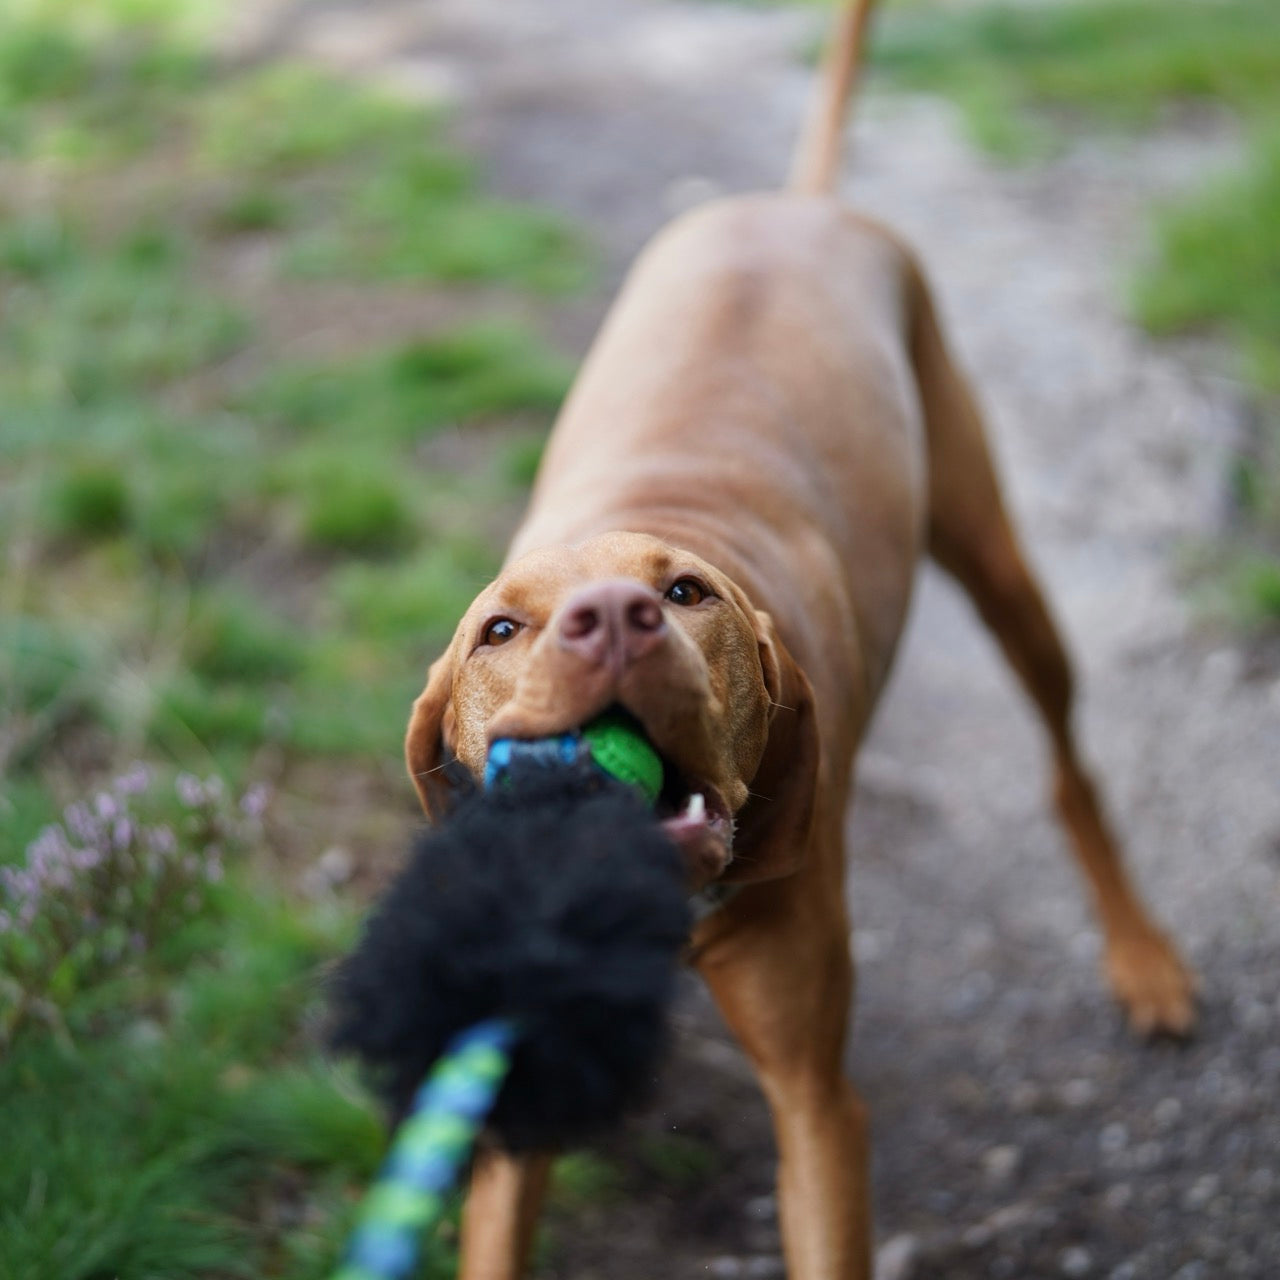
429	1152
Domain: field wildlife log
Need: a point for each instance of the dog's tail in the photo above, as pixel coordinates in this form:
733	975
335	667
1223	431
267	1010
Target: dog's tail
817	158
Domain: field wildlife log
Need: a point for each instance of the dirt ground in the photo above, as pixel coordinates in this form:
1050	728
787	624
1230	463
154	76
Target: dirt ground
1018	1130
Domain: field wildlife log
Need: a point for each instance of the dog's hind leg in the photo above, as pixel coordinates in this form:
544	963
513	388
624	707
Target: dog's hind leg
971	537
500	1214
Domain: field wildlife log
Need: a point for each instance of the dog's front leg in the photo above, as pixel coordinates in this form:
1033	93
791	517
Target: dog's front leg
778	964
500	1214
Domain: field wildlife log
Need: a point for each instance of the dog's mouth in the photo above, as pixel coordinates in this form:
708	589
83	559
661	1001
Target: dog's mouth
693	814
691	809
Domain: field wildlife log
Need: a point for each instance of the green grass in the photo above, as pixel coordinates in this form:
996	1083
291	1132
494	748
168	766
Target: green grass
582	1178
415	596
678	1161
288	116
396	396
143	1146
222	545
1026	77
1218	264
1024	74
53	680
380	195
252	208
125	432
1125	62
234	637
89	501
1257	589
355	511
25	808
91	324
93	83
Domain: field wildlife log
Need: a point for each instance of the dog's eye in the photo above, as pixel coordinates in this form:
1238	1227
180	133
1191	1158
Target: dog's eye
499	631
686	592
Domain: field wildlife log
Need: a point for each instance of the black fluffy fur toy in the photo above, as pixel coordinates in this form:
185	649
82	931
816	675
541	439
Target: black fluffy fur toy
554	899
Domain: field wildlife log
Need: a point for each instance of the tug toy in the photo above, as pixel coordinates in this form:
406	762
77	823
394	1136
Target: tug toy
521	965
611	740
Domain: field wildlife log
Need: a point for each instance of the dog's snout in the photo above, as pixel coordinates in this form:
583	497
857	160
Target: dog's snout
612	623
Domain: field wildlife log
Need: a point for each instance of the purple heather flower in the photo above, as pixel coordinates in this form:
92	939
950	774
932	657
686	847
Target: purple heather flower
160	839
51	845
106	805
19	882
58	878
134	780
253	803
42	861
80	822
189	789
122	833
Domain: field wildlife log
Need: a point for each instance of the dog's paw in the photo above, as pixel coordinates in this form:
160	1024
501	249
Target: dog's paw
1149	978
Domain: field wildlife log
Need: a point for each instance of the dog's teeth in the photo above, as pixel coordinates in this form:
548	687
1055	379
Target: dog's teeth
697	808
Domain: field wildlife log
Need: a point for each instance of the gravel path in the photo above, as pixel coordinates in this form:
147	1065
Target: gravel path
1018	1130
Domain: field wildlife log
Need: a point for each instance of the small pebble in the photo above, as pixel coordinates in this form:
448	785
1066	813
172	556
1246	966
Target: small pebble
1113	1138
1201	1192
896	1258
1079	1093
725	1267
1148	1155
1075	1261
999	1163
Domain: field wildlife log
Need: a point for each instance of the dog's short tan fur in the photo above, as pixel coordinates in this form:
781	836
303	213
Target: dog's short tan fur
770	414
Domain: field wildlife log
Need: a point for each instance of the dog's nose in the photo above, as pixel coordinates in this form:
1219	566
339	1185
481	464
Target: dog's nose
612	623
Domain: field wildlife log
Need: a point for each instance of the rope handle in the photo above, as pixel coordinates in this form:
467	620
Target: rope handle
429	1152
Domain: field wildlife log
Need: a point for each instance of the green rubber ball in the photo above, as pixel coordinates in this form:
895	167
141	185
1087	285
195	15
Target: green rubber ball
621	750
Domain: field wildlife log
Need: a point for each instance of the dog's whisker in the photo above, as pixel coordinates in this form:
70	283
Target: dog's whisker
426	773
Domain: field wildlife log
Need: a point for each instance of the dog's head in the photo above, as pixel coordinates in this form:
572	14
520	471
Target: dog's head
623	619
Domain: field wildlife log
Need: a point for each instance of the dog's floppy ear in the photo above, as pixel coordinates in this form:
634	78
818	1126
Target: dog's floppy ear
774	826
427	742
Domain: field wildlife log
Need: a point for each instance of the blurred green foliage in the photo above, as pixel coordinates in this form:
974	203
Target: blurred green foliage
157	416
396	396
225	539
1026	76
1124	62
385	198
1218	261
145	1149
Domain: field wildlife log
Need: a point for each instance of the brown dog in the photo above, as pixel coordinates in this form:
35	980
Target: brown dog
766	437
